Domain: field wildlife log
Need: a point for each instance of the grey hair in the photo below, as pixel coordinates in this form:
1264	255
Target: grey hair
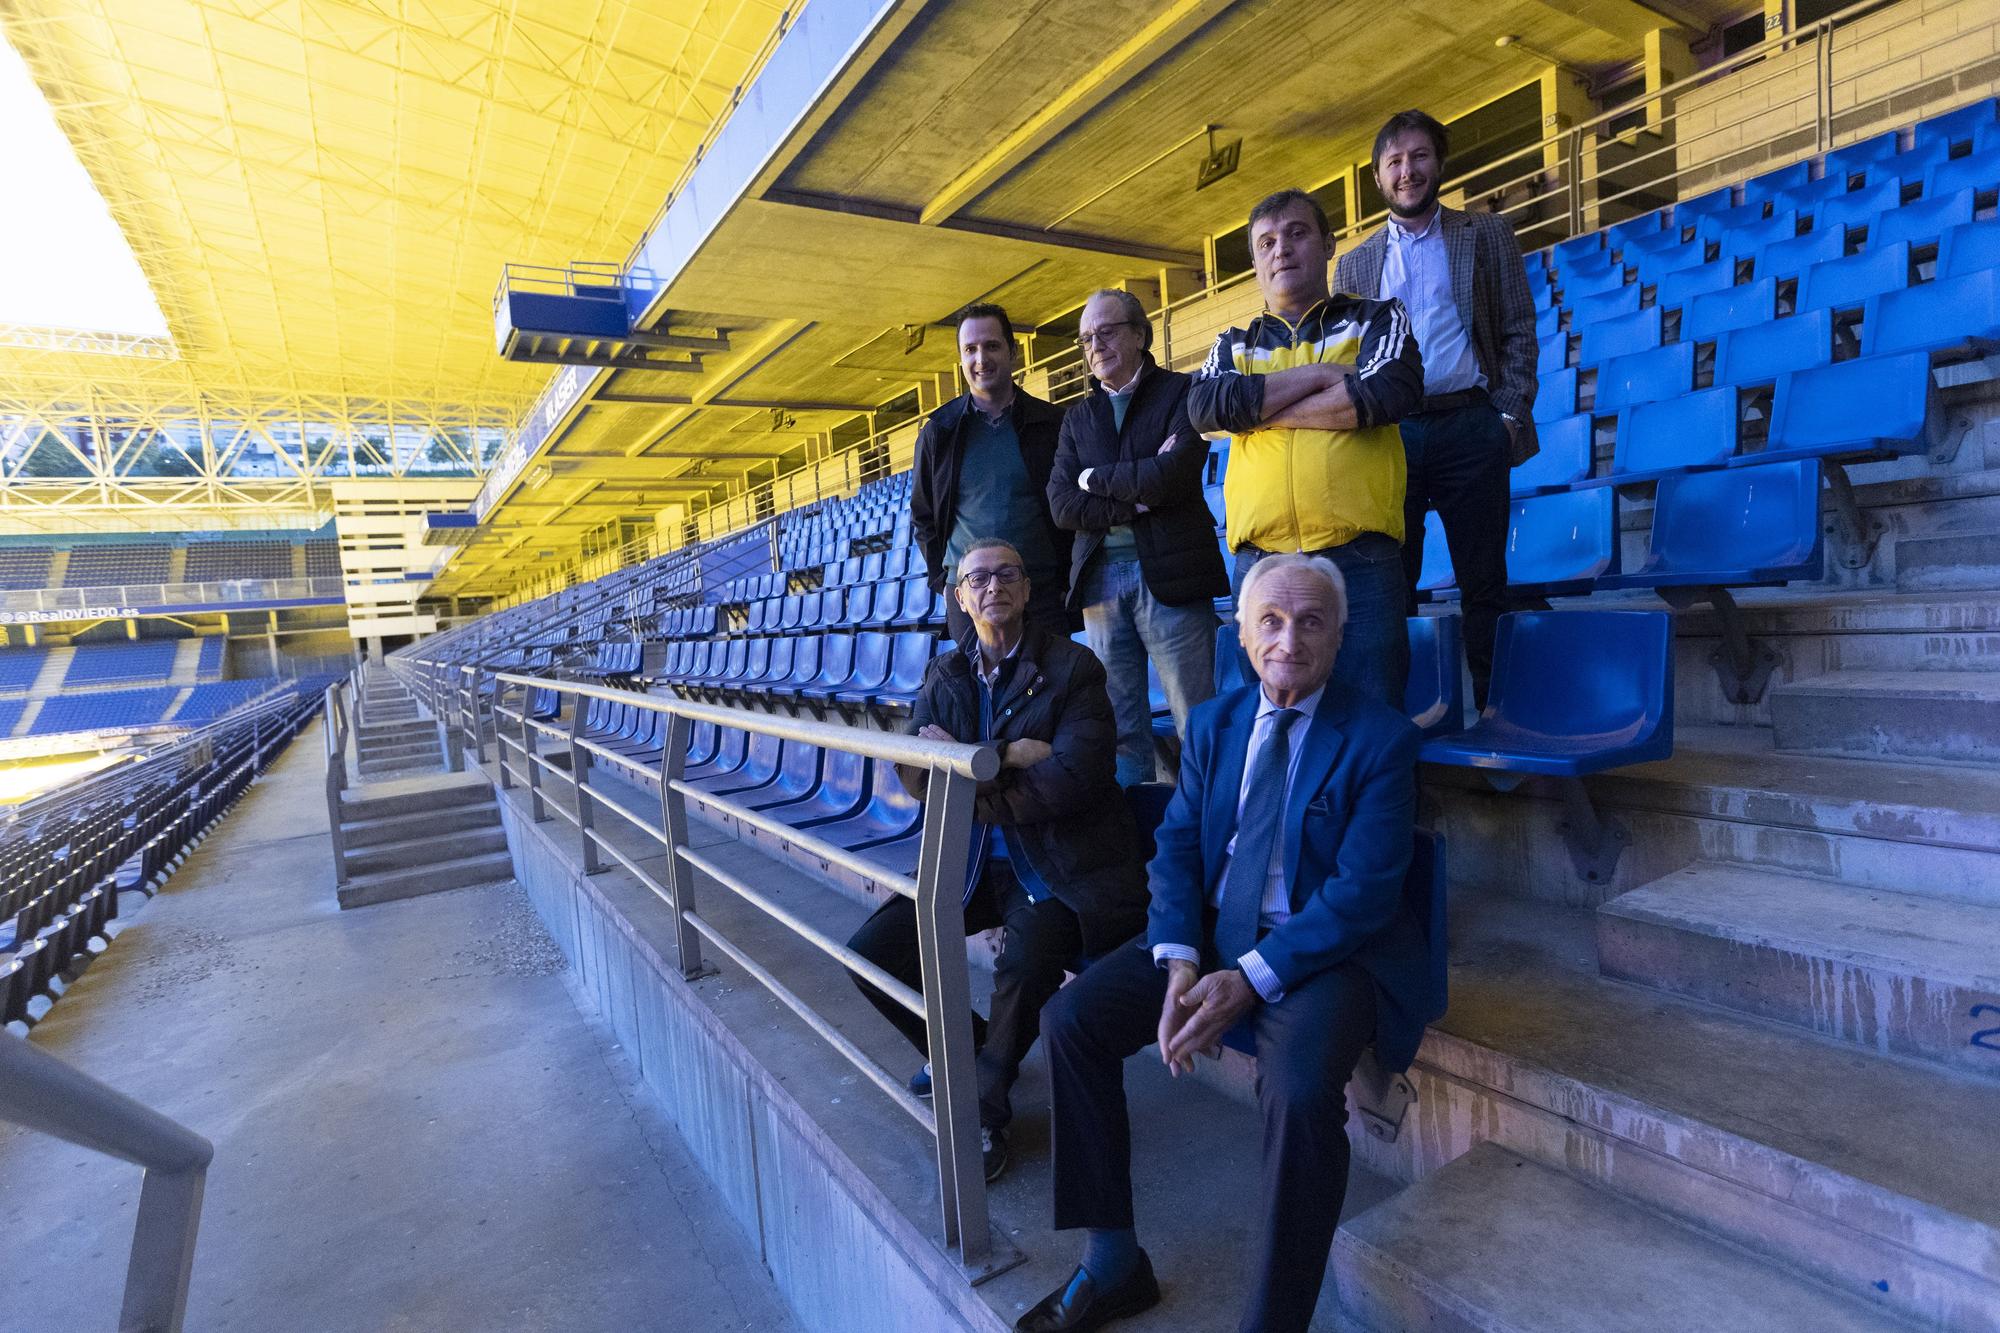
1134	311
1317	565
992	544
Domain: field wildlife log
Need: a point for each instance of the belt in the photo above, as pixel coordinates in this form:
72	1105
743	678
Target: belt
1448	402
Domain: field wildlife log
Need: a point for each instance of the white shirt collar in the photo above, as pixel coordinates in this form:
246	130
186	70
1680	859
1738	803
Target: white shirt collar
979	659
1305	707
1130	384
1403	235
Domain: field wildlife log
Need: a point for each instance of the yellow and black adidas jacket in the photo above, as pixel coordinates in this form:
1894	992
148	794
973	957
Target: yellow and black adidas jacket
1305	490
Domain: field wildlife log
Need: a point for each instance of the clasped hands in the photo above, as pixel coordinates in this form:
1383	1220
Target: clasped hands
1198	1010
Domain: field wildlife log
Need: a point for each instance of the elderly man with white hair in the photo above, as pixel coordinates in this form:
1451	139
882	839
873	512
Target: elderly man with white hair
1277	910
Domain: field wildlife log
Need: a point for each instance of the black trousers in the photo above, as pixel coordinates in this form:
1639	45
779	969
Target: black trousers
1038	942
1458	466
1307	1046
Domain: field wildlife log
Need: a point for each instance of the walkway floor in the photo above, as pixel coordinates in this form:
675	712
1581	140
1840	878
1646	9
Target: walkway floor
415	1128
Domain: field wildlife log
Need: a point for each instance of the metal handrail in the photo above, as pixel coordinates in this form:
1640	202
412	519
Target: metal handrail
42	1093
334	740
110	599
953	773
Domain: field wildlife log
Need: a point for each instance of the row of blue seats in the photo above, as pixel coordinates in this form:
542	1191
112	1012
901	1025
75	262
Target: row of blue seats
875	669
873	568
905	603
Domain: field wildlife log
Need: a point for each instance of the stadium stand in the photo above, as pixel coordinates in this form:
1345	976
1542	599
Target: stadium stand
322	560
205	703
116	663
105	565
23	567
213	561
19	667
101	710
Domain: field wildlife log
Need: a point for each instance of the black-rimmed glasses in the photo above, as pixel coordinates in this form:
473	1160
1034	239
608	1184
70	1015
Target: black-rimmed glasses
1005	575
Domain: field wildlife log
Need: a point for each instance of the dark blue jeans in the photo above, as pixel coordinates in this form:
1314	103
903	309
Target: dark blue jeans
1375	647
1458	466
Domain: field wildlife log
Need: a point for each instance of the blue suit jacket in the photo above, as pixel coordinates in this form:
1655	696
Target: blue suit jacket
1348	827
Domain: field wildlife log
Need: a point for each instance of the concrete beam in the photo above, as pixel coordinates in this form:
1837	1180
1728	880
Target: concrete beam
1061	240
1627	20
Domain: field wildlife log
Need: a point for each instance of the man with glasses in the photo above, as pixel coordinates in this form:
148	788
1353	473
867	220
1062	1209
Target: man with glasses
1460	277
1054	861
1144	566
982	470
1311	392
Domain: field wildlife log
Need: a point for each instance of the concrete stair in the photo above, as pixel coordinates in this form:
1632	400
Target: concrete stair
1895	973
1947	715
1496	1242
420	835
1954	563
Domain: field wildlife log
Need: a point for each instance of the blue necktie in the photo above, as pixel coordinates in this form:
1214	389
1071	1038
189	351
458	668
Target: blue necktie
1256	834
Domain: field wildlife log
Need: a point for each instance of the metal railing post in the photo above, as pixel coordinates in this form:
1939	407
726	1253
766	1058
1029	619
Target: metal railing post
579	778
1823	89
499	736
948	1013
673	822
530	755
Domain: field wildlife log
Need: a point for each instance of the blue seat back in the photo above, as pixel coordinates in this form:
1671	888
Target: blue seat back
1576	248
1576	286
1644	377
1806	199
1743	241
1909	169
1754	524
1859	208
836	659
1922	222
1599	677
1857	156
1765	351
1714	226
1622	234
1563	458
1841	284
1667	255
1969	248
1934	315
1875	398
1773	183
1589	265
1689	211
1694	430
1794	255
1433	696
1556	396
1553	354
805	659
1620	336
1232	664
1561	539
1957	125
1436	574
1675	289
1713	314
1588	310
755	661
871	659
1980	171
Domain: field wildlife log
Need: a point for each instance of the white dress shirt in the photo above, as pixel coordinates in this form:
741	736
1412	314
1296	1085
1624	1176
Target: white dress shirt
1417	271
1276	908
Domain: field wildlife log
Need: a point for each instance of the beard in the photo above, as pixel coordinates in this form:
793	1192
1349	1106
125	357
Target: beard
1422	206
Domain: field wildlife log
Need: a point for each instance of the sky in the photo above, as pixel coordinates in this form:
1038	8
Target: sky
63	262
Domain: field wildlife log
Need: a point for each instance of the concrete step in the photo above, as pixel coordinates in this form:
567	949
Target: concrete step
400	827
1872	1174
387	748
425	850
1959	562
375	768
389	885
1495	1242
1726	795
1950	715
414	795
1895	973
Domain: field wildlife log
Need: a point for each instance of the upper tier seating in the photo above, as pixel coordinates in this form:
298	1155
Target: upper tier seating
215	561
104	564
106	708
108	663
19	667
24	568
322	559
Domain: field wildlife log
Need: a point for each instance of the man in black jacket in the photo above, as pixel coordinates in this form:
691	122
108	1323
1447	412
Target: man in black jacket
1055	855
982	470
1145	566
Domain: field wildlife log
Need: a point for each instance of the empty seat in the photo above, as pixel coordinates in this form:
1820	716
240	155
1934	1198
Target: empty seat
890	813
1547	322
1665	253
1969	248
1689	211
1694	430
1806	199
1619	336
1794	255
1644	377
1563	458
1435	574
1935	316
1922	222
1844	162
871	671
1433	697
841	791
1556	395
1746	240
1620	235
1762	352
1737	526
1715	313
798	776
909	658
1576	286
1956	126
1878	404
1574	692
1232	664
1590	265
1554	354
1858	208
1909	169
1576	249
1979	172
1713	226
1588	310
1562	542
1773	183
1683	285
1846	284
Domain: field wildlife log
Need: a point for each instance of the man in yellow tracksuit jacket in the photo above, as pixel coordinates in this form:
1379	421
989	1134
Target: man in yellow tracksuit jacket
1311	393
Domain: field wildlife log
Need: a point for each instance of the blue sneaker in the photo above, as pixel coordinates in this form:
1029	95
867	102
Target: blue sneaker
920	1082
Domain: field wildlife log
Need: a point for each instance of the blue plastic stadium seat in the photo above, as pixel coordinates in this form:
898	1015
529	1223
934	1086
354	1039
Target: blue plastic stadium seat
1576	249
1433	697
1773	183
1936	316
1737	526
1622	234
1746	240
1859	208
798	777
841	791
1860	155
1681	286
1688	211
1547	321
1713	226
1670	254
1536	262
1794	255
1232	664
1619	336
1878	404
1957	126
1562	542
1762	352
1980	172
1553	355
1645	377
1590	264
1922	222
1577	286
871	672
1969	248
1910	169
890	813
1710	316
1846	284
1556	395
1695	430
1435	576
1574	692
909	657
1589	309
1563	458
1806	199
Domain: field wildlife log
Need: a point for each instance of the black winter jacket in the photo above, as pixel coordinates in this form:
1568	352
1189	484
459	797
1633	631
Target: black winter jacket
1178	552
1065	815
940	452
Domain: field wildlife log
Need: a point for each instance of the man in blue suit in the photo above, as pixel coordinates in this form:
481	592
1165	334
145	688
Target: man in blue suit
1277	909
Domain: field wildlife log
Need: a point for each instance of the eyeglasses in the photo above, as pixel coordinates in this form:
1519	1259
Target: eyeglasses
1102	335
1005	575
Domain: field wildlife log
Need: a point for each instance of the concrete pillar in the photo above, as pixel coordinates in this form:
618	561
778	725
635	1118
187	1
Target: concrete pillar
1777	17
375	649
131	629
1565	103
